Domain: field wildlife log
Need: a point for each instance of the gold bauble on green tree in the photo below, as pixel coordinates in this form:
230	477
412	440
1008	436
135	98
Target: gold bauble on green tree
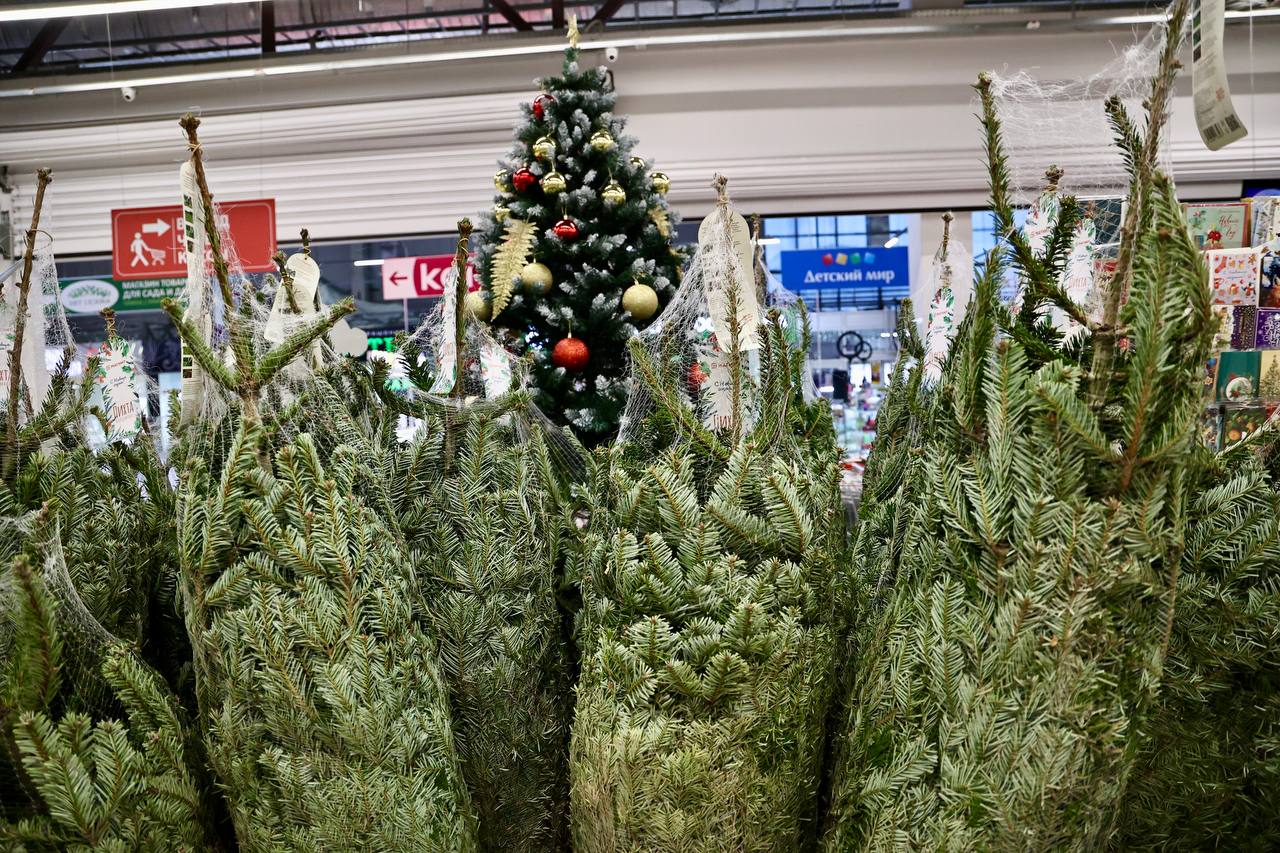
613	193
477	306
602	140
640	301
536	278
545	149
553	182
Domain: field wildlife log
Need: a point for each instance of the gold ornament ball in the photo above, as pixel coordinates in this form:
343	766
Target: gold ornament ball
501	179
553	182
613	193
536	278
638	162
602	140
660	182
640	301
500	212
544	149
477	306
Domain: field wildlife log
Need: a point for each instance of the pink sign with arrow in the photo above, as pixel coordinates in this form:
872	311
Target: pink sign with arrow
420	277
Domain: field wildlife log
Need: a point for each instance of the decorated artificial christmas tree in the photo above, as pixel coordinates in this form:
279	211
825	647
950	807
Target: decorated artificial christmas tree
1003	692
710	571
576	255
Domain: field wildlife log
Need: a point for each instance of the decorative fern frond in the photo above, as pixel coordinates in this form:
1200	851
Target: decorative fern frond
509	259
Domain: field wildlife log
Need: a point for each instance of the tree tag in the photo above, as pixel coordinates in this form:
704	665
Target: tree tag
117	390
739	272
1216	117
495	370
283	321
447	345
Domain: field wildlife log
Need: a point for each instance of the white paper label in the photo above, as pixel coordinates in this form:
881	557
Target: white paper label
283	320
742	274
116	385
1216	118
495	369
447	346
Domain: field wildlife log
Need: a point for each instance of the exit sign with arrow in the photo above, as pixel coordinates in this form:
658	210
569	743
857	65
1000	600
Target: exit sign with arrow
416	278
146	242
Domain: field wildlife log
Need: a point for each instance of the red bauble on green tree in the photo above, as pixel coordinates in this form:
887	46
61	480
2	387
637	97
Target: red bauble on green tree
581	204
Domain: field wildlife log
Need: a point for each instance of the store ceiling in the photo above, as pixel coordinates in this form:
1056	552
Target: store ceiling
219	32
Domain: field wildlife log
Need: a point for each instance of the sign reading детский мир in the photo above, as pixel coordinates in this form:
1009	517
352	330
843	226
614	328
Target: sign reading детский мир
812	269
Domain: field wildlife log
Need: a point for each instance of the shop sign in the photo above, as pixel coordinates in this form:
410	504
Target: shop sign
91	295
809	269
420	277
147	242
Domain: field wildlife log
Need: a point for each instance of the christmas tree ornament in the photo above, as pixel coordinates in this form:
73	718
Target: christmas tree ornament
660	182
541	103
545	149
602	140
570	353
638	162
640	301
500	212
477	306
523	179
502	180
508	261
566	229
613	193
536	278
553	182
658	215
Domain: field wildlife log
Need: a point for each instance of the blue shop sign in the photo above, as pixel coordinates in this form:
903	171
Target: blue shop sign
811	269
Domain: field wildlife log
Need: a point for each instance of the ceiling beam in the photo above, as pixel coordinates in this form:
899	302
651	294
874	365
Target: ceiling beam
267	30
513	17
44	39
607	11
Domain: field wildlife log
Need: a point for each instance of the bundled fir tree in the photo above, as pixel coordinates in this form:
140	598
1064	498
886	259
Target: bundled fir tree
709	568
1002	693
577	253
326	722
1209	772
473	493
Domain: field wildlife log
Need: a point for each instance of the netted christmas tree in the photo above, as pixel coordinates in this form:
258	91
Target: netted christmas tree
577	254
1208	775
1003	692
710	571
474	494
325	718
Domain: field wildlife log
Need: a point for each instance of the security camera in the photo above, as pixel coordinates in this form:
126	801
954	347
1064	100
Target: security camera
611	54
128	93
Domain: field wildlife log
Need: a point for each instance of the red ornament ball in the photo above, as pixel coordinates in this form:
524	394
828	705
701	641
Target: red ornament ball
570	353
566	229
541	103
524	180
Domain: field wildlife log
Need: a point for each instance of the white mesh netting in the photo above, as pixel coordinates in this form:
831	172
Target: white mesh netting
1064	123
459	370
948	285
700	361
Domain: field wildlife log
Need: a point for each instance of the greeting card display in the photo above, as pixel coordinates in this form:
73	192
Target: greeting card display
1211	428
1240	423
1244	326
1264	219
1238	374
1229	221
1269	384
1268	334
1269	263
1234	275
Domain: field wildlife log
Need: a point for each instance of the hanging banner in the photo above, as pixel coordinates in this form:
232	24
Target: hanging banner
91	295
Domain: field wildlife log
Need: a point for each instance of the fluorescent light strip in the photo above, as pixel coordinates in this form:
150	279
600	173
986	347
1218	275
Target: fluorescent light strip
693	39
74	10
369	262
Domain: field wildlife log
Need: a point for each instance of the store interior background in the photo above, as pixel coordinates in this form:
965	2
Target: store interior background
844	126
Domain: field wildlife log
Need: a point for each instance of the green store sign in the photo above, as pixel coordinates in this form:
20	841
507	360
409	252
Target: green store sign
91	295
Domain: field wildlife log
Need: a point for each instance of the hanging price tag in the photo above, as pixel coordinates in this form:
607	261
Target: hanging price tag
1216	117
740	274
447	345
283	320
495	369
117	391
